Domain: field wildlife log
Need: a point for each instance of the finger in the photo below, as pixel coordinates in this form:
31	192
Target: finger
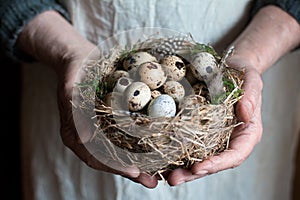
179	176
227	159
242	142
252	91
84	125
92	157
146	180
79	144
252	87
83	121
71	115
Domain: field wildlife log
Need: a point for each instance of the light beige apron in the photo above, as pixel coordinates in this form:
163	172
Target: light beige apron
52	171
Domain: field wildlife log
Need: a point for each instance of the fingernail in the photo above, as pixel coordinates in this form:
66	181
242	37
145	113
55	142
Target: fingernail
180	182
202	172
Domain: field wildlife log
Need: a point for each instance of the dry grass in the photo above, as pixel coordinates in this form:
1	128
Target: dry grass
156	145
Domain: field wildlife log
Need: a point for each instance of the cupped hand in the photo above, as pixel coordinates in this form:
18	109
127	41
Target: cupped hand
77	138
244	137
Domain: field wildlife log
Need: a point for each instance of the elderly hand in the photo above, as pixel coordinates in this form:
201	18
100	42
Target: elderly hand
257	49
77	138
43	39
243	138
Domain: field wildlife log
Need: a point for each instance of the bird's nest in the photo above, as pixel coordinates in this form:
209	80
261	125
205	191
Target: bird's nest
155	145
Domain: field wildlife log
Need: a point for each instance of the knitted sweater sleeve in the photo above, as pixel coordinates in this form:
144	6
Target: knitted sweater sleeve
292	7
14	15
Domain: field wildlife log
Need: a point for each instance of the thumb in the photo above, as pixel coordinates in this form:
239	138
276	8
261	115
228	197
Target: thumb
252	87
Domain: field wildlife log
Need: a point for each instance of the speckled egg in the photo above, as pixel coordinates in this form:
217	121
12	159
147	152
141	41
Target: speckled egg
155	93
191	102
200	89
114	77
174	67
136	59
152	74
162	106
203	66
174	89
137	95
122	84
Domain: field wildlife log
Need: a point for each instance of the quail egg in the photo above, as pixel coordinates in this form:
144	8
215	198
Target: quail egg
136	59
204	66
137	95
174	89
191	102
114	77
174	67
155	93
122	84
152	74
201	89
162	106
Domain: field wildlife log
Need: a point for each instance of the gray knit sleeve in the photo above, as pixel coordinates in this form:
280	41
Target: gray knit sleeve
14	15
290	6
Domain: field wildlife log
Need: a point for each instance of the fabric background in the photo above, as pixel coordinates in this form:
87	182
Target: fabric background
52	171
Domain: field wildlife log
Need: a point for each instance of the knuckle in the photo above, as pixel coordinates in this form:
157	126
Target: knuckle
239	160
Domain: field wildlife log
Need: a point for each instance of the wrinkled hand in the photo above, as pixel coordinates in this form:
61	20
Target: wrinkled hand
242	142
259	48
243	138
77	138
64	50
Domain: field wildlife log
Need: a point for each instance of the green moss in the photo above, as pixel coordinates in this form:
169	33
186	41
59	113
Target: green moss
198	48
100	87
229	85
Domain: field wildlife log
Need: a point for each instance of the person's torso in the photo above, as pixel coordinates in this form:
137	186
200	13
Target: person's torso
209	21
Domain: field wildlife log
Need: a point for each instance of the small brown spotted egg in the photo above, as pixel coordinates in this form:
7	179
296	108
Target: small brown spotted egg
114	77
155	93
174	89
162	106
203	66
200	89
136	59
152	74
137	95
174	67
122	84
191	102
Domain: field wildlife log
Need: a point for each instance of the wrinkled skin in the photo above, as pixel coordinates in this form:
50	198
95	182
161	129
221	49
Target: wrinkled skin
257	49
243	138
246	135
